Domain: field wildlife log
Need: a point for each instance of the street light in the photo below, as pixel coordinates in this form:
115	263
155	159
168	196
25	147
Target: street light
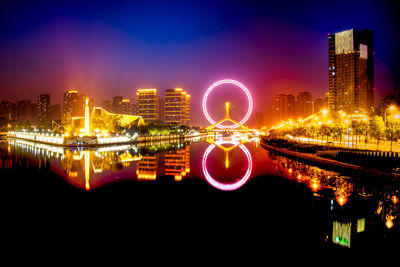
391	108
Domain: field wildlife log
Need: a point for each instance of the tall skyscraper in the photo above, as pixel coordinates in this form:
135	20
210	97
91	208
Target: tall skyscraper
177	107
351	71
43	107
147	104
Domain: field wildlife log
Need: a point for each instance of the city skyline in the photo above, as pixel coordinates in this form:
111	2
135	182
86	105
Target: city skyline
115	51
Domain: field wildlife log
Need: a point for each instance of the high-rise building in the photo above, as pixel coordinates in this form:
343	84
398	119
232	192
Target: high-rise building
74	104
147	104
126	107
283	107
291	106
304	105
8	110
117	104
177	107
43	102
24	110
34	113
107	105
70	98
351	71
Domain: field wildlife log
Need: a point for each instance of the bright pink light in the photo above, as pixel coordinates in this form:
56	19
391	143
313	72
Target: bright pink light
245	90
222	186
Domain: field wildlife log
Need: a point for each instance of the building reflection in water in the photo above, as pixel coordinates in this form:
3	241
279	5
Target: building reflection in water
146	168
177	163
81	165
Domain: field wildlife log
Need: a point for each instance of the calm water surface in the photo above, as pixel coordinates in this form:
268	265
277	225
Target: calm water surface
225	183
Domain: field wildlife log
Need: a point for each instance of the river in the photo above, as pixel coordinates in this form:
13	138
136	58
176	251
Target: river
224	186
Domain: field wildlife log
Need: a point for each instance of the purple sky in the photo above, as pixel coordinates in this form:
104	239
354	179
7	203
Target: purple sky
106	50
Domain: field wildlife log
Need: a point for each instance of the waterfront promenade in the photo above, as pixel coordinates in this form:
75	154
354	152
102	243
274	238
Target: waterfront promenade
91	141
352	144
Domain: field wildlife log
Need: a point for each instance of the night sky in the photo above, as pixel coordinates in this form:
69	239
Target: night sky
107	49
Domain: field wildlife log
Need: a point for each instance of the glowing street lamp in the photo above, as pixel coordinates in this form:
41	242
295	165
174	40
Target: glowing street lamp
391	108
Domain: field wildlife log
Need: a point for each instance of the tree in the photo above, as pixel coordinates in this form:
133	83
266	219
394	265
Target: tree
338	130
377	128
392	130
27	125
326	130
386	101
45	124
362	129
111	123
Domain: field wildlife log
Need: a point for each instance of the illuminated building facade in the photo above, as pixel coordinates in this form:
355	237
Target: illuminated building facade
43	101
74	104
177	107
147	104
70	98
351	71
126	107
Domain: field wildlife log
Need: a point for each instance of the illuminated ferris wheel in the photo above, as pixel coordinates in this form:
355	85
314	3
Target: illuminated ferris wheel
236	124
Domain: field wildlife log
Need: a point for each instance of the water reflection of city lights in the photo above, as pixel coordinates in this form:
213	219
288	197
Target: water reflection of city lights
316	178
389	221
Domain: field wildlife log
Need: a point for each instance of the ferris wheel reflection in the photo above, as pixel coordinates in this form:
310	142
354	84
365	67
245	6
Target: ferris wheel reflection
234	144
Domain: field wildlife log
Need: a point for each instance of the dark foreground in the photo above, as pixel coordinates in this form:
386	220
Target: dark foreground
38	205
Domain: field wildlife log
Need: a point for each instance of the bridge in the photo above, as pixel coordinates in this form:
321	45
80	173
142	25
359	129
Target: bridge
227	118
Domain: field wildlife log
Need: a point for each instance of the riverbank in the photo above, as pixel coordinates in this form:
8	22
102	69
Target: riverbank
327	163
93	141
